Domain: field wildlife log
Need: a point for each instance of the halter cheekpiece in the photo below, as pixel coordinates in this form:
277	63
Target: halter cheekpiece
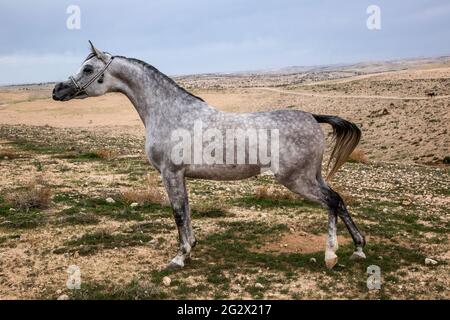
82	88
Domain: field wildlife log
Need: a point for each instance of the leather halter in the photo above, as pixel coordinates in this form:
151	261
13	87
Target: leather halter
82	88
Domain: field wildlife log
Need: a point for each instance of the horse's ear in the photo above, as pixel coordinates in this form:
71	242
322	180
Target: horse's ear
94	50
97	52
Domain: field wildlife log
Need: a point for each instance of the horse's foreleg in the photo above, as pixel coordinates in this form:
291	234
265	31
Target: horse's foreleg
175	185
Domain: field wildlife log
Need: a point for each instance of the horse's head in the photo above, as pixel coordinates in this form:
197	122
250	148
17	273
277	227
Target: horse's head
91	80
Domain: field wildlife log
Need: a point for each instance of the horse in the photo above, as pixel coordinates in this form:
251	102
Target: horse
166	108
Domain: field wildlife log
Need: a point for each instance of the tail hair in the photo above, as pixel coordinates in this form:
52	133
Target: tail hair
346	136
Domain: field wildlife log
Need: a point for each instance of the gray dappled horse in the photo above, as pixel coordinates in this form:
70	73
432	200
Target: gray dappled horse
164	107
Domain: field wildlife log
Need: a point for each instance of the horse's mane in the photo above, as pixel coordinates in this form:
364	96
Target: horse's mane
160	74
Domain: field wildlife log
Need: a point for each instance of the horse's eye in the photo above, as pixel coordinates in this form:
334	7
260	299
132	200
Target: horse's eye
88	69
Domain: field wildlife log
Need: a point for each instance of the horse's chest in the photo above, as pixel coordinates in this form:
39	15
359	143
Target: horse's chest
155	154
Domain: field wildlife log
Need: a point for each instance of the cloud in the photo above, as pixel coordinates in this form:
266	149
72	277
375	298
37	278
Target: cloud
222	35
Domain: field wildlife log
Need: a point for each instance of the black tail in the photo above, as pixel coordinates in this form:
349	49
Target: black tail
346	135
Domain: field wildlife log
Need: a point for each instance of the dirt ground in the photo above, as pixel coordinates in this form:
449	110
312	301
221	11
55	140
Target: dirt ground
255	239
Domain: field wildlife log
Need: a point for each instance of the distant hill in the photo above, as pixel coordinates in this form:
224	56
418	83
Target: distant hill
360	67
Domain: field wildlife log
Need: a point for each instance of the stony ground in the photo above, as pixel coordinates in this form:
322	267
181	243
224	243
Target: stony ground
256	240
69	189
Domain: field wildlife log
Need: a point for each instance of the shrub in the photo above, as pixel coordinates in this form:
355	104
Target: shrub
105	154
149	195
31	197
358	156
271	193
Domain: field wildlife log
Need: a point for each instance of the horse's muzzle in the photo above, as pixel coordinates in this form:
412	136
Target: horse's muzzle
63	91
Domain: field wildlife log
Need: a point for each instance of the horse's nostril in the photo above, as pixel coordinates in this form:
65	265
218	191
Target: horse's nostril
59	87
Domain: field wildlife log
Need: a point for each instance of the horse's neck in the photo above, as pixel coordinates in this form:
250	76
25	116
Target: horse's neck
151	94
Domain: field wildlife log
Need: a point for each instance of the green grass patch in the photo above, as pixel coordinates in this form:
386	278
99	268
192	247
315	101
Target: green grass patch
73	216
266	203
92	242
23	219
397	219
134	290
209	213
152	227
39	148
20	219
119	210
80	156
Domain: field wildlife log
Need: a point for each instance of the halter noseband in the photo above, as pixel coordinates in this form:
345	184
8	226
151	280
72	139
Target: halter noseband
95	77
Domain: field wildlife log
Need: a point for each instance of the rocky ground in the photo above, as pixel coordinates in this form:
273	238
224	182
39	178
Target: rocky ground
76	189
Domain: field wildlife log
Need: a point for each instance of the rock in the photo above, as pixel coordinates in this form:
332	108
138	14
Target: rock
313	260
63	297
385	210
429	261
134	205
259	285
58	292
166	281
110	200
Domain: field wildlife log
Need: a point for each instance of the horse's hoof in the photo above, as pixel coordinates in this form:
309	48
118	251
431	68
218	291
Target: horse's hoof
330	259
358	255
174	266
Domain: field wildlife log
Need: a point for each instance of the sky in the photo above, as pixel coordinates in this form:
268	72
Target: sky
201	36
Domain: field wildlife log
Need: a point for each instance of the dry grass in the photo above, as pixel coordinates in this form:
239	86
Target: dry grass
152	194
272	193
205	206
143	196
106	154
359	156
8	155
33	196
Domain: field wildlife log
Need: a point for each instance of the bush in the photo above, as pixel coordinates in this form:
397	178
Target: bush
150	195
31	197
358	156
271	193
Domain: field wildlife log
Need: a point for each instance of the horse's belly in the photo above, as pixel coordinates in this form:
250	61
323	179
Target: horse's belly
222	172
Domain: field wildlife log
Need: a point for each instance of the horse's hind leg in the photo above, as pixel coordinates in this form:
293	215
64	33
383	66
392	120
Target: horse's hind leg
314	188
337	205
